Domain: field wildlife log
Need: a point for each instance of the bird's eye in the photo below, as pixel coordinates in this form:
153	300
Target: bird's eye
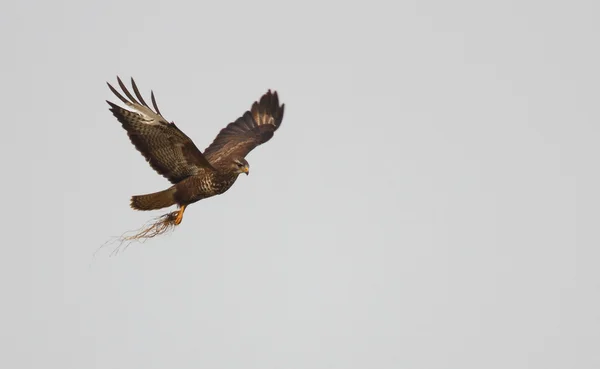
239	164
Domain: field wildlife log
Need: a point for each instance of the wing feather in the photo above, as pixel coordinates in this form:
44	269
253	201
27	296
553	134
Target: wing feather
166	148
252	129
137	93
154	102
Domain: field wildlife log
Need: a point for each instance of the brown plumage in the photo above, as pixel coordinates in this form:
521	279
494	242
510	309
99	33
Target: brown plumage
172	154
153	201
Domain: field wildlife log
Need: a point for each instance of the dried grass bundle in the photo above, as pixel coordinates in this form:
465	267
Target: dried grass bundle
155	227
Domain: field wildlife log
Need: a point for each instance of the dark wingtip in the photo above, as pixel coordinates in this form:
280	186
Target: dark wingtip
269	103
137	93
117	94
154	102
281	111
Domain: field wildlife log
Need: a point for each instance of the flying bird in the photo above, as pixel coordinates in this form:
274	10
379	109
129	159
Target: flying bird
194	175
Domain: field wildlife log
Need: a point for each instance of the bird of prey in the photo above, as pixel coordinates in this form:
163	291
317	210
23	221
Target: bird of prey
170	152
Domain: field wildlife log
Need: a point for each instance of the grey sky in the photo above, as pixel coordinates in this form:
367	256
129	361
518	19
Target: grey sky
430	201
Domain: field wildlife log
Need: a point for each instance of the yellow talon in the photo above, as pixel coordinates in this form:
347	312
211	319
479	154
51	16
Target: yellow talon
180	215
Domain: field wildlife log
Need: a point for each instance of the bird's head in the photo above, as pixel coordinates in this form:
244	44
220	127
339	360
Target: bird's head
241	166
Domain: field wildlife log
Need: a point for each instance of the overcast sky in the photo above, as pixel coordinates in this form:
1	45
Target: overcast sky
430	201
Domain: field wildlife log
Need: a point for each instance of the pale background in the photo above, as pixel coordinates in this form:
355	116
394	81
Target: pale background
431	200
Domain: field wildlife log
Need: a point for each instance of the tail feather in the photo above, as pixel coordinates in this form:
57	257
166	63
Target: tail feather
152	201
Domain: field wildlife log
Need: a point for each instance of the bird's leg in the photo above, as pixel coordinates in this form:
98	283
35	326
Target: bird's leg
180	215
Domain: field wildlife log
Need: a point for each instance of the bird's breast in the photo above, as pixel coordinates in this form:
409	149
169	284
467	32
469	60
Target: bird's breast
215	185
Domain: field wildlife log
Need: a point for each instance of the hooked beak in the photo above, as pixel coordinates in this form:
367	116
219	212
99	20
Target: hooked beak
246	170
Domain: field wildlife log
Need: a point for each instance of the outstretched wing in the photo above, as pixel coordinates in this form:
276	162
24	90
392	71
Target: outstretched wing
253	128
166	148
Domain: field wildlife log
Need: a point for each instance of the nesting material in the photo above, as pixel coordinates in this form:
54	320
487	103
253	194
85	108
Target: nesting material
155	227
